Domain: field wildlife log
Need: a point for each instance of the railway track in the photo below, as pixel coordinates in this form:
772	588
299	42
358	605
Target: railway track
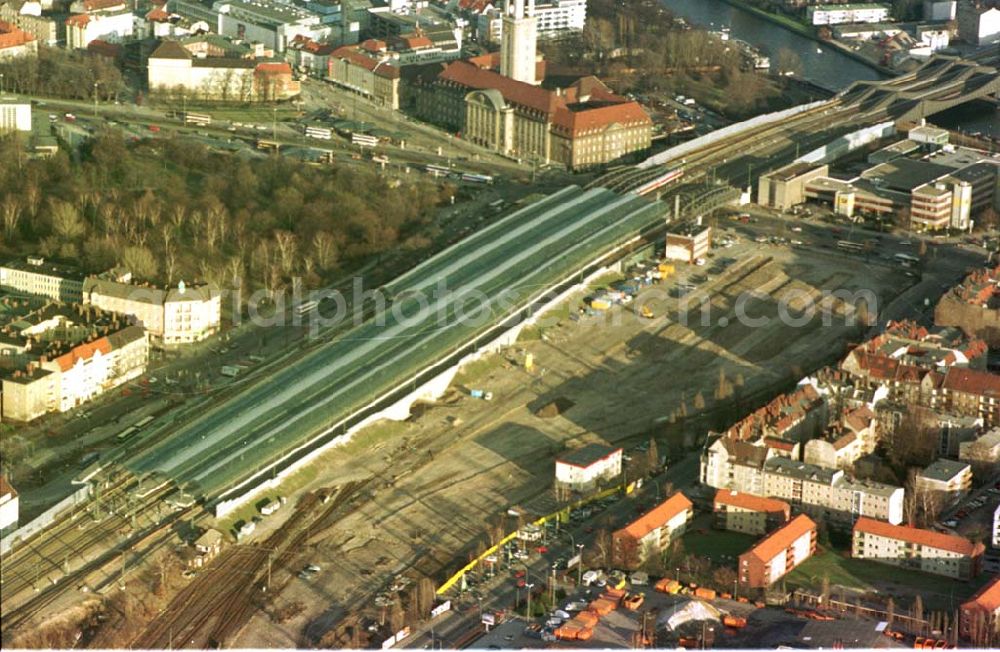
213	609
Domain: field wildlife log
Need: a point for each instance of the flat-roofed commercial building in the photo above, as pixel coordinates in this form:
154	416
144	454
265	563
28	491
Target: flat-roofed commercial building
785	187
651	533
778	553
862	12
916	549
742	512
688	243
582	469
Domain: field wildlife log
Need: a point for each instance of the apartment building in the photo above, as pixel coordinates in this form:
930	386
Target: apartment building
8	507
171	316
848	13
947	478
36	276
556	18
368	69
979	617
740	512
16	43
829	493
995	539
27	15
15	115
105	20
778	553
972	392
59	356
582	469
651	533
916	549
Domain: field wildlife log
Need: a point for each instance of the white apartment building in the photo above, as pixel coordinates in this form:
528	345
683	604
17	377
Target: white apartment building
172	316
554	19
984	450
828	493
15	115
37	277
651	533
949	478
916	549
107	20
849	13
996	527
778	553
583	468
8	507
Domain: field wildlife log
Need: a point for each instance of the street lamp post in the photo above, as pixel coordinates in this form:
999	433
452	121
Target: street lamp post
579	564
95	99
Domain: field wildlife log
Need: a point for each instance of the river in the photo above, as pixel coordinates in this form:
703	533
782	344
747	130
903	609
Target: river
821	65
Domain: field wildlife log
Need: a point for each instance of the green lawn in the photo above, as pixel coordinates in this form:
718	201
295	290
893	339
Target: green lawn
718	545
868	575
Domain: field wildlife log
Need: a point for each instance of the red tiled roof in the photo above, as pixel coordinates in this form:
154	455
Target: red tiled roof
354	55
779	540
12	37
658	516
83	351
987	598
104	48
859	418
750	501
590	119
274	68
6	488
414	42
372	45
846	440
928	538
97	5
158	15
972	381
780	444
78	20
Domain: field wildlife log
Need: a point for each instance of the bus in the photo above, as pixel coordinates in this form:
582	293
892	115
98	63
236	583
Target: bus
319	132
200	119
363	140
477	178
437	170
268	145
853	247
143	422
906	258
126	434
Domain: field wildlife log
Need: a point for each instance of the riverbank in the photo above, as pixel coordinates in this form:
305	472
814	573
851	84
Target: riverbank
805	31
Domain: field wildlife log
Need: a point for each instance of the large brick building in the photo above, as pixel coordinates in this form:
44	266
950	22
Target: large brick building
778	553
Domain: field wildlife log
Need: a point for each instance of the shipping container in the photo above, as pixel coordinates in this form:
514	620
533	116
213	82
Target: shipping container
705	594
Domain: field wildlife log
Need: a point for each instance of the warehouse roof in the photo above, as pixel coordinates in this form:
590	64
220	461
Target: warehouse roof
587	455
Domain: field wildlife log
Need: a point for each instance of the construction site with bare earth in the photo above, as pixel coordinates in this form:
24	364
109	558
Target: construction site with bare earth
401	506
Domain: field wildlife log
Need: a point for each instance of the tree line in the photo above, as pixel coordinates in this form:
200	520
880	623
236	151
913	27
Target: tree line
172	210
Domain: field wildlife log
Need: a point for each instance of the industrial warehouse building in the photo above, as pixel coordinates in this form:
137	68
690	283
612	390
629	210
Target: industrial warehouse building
749	514
916	549
945	189
651	533
583	469
777	554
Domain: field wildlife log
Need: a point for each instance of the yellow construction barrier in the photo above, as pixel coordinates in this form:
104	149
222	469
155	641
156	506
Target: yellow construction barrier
562	516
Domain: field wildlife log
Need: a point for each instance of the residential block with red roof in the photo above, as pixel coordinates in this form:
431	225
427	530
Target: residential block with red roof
974	305
916	549
980	616
778	553
747	513
61	356
369	69
15	42
651	533
90	20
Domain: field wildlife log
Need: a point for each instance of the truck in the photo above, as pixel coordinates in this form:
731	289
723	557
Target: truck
480	394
